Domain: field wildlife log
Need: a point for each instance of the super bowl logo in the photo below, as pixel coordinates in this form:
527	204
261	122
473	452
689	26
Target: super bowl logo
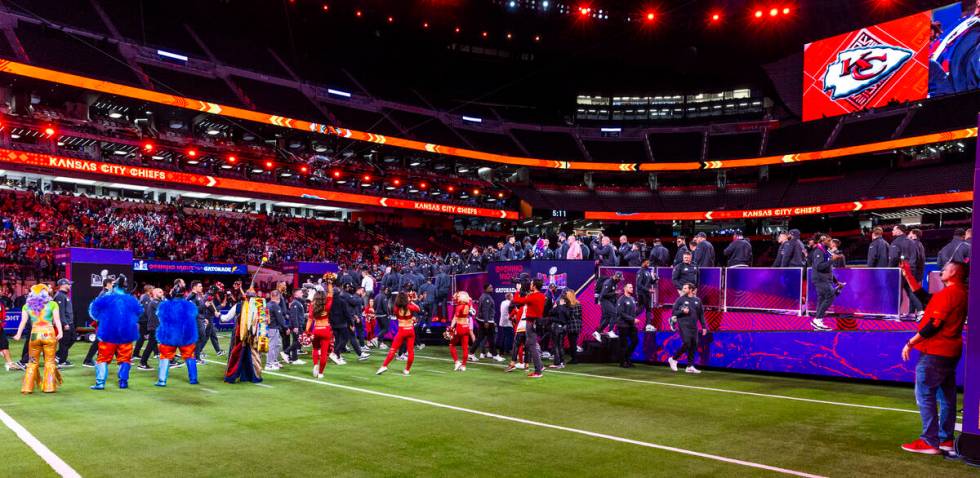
553	277
862	69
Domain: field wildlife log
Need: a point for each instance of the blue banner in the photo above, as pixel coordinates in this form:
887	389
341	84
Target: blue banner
172	267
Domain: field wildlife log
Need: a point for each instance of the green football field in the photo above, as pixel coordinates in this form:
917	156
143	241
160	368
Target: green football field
588	420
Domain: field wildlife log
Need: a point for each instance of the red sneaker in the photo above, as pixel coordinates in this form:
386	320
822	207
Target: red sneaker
920	446
534	375
947	445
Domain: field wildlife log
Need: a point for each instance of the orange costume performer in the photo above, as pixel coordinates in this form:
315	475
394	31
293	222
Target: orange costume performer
117	314
45	333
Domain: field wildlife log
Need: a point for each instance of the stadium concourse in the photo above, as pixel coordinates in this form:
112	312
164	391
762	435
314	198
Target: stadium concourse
494	237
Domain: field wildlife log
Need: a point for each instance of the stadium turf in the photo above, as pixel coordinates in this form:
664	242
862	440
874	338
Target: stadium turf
592	420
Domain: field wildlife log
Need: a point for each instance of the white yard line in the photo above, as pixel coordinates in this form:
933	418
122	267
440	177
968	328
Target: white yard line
695	387
57	464
682	451
264	385
208	390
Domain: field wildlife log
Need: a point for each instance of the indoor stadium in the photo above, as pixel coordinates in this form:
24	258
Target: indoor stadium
502	238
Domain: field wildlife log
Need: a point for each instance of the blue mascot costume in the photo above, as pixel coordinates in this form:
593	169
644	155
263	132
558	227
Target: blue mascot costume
117	314
177	331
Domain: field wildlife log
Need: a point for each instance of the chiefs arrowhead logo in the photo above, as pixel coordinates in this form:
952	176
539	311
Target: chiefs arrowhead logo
858	69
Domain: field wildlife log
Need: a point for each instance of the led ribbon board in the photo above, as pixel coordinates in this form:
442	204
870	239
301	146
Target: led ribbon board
29	71
62	164
853	206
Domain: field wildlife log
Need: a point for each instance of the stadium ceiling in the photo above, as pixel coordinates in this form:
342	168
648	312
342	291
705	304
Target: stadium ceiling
25	70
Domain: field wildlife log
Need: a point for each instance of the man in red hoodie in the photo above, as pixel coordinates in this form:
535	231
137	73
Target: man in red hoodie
533	304
939	341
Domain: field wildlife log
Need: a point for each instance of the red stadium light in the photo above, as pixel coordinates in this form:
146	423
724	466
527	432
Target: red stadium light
268	165
49	131
758	14
367	177
425	24
773	12
304	169
715	17
336	174
476	192
786	10
191	153
584	11
450	189
391	19
510	35
232	159
500	195
484	34
148	147
358	14
326	7
397	182
537	37
457	30
423	185
650	16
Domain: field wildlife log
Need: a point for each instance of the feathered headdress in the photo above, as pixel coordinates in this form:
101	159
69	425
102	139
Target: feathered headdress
178	322
39	296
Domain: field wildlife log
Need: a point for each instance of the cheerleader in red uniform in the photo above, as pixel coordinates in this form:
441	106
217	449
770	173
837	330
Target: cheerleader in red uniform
462	333
405	311
319	327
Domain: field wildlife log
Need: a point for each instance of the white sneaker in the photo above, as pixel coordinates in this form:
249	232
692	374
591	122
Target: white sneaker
270	368
650	328
406	373
546	355
498	358
364	356
420	346
482	355
285	358
316	371
672	363
402	357
473	358
381	370
298	362
319	377
335	359
463	368
521	366
342	361
691	369
579	349
597	336
612	335
818	325
458	365
383	346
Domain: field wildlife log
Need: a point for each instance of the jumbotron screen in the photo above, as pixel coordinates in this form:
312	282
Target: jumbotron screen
924	55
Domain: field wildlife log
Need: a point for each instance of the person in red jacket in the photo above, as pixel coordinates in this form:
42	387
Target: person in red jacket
462	332
533	304
405	312
939	341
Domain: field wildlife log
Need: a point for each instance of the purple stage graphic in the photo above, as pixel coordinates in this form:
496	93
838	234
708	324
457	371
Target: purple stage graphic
709	286
869	291
764	288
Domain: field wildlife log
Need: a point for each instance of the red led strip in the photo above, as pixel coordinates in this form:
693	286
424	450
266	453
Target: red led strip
61	164
854	206
25	70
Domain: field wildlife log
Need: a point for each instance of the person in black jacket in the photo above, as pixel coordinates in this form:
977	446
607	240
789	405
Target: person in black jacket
486	313
646	289
342	320
626	316
443	284
659	255
878	249
681	249
633	257
509	251
152	322
791	253
739	252
624	249
822	278
277	321
904	250
704	253
67	322
684	273
297	323
197	298
958	250
607	302
687	313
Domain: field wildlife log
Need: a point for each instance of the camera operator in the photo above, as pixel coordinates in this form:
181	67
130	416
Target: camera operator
533	303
